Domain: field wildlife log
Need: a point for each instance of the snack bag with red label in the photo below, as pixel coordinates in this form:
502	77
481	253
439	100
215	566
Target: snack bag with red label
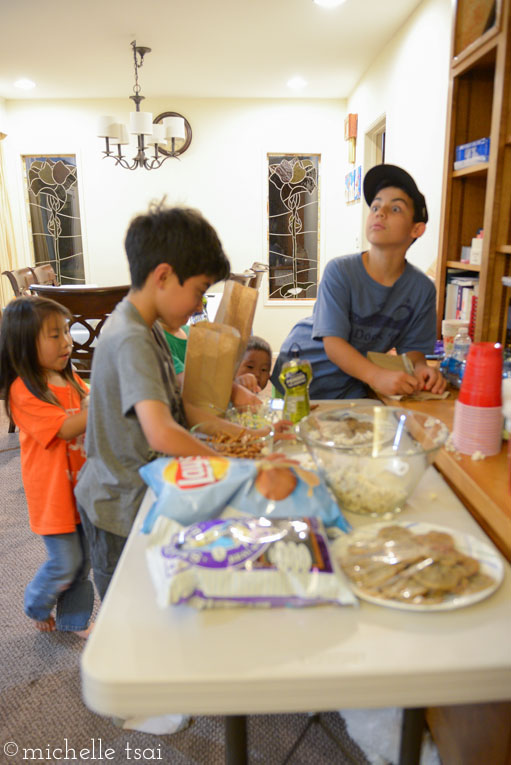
191	489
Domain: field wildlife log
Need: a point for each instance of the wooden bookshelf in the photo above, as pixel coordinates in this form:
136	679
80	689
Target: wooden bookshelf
479	196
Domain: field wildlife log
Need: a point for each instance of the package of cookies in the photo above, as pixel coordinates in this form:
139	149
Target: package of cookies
244	561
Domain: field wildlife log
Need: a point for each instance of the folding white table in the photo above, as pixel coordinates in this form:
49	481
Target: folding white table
141	660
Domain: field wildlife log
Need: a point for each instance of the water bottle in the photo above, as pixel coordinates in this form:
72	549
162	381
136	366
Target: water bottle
453	366
198	316
461	348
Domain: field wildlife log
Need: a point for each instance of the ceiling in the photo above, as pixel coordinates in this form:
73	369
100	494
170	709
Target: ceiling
200	48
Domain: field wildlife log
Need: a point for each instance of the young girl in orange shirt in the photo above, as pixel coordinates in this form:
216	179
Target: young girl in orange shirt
47	400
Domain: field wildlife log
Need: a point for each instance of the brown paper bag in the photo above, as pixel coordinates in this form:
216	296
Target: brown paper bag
237	309
210	365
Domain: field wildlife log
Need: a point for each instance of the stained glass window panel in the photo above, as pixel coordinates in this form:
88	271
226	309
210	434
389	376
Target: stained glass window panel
54	214
293	226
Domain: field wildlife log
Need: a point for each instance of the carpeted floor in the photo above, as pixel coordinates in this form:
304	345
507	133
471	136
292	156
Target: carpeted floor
40	699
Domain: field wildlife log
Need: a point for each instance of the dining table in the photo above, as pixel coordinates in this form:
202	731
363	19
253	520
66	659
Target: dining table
142	660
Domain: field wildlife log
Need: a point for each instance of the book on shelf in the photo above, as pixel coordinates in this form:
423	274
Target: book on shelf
459	296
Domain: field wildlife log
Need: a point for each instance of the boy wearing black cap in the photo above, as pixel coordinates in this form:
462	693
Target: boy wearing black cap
373	301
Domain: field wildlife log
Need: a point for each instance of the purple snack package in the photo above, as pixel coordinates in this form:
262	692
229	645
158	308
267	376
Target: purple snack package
245	561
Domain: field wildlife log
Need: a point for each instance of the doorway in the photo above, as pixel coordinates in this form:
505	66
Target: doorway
374	154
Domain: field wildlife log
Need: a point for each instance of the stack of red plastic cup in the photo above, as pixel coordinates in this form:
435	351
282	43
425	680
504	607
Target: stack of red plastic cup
478	410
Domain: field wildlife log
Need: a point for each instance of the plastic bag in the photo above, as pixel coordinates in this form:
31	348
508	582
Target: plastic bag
245	561
190	489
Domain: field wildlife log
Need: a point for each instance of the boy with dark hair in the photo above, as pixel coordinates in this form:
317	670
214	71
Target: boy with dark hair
136	410
373	301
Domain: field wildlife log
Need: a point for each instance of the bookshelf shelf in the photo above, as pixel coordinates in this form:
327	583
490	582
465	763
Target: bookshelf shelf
463	266
480	169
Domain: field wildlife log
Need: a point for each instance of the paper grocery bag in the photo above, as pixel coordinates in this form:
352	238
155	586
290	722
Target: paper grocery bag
210	364
237	309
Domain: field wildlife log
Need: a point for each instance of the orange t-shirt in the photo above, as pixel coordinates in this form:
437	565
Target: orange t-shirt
49	464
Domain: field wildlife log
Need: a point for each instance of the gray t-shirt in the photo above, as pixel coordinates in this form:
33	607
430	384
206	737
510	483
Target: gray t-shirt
132	363
368	315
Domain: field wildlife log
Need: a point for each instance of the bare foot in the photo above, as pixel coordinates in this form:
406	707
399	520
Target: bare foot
47	625
84	634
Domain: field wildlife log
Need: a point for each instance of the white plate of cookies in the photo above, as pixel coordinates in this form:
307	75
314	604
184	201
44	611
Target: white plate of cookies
418	566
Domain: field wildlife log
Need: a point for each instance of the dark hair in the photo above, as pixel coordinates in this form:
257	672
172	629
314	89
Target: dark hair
178	236
22	321
258	344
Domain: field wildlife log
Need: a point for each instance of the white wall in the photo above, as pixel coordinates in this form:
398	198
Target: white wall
223	174
224	171
408	82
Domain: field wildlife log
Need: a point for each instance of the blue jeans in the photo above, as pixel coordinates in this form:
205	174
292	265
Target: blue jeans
105	551
63	580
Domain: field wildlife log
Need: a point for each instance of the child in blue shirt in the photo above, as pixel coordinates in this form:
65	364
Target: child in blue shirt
373	301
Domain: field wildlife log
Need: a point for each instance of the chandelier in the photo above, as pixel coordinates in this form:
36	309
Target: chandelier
169	134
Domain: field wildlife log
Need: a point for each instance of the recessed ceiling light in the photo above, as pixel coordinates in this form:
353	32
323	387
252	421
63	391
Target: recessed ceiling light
296	83
24	84
329	3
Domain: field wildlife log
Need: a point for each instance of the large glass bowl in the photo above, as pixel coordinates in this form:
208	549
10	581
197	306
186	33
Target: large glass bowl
372	456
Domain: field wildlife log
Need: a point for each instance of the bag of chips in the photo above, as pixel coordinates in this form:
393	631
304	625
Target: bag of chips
245	561
190	489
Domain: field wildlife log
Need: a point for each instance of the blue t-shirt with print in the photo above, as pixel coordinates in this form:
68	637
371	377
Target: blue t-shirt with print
368	315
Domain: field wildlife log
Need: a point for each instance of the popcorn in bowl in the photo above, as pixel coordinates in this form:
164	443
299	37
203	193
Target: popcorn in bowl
372	456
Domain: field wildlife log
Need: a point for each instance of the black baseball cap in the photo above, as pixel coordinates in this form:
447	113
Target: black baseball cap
382	176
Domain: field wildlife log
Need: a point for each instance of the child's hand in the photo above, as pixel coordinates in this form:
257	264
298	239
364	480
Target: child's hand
241	396
249	381
398	383
284	430
430	379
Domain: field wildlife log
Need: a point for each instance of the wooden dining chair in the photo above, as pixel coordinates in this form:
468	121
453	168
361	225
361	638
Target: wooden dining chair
20	280
258	269
90	308
45	274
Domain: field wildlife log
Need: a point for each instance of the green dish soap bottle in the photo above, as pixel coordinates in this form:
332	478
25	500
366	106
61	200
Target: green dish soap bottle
295	377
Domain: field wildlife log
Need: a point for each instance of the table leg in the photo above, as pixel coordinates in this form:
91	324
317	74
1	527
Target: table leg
412	729
236	740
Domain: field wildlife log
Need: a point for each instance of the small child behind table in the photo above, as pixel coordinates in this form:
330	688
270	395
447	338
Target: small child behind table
256	361
47	400
253	372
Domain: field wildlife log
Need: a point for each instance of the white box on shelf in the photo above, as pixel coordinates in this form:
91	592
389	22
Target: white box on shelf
476	251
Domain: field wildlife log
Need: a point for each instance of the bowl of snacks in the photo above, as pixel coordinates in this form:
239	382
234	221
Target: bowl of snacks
372	456
240	442
251	416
